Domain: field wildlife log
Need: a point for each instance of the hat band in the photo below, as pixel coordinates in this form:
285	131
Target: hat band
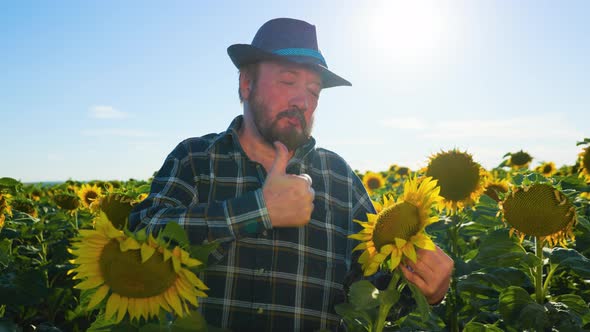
301	52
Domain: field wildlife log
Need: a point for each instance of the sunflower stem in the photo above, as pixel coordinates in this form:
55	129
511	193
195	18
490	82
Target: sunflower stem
552	269
76	219
385	306
539	289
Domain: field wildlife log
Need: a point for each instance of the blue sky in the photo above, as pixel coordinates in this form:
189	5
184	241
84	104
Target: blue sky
106	89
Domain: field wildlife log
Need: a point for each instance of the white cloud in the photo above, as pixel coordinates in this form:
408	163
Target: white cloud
527	128
107	112
117	132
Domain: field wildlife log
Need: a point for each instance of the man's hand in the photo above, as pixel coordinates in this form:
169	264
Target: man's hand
431	273
289	198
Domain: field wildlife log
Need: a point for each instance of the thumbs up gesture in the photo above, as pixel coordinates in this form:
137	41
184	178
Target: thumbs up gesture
289	198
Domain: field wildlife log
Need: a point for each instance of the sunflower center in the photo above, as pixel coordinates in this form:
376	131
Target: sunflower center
401	220
537	212
124	273
90	197
457	175
373	183
547	169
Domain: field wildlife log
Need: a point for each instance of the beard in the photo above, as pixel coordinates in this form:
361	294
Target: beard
269	128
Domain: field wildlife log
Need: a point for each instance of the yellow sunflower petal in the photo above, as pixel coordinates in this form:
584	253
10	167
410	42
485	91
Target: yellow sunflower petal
122	309
146	252
129	244
410	252
98	296
112	305
90	283
396	258
423	241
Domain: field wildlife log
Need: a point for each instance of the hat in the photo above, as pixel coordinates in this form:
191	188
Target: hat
286	39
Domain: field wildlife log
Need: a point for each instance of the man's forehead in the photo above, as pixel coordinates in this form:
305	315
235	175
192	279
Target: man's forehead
286	66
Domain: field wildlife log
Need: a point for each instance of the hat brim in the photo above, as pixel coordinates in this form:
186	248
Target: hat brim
242	54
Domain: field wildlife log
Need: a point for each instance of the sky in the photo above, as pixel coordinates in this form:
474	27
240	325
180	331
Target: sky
106	89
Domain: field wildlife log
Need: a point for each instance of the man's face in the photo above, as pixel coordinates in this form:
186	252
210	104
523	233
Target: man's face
283	101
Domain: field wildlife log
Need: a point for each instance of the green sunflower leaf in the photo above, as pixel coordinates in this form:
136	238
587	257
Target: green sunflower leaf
520	310
363	295
480	327
575	304
499	249
193	322
570	258
173	231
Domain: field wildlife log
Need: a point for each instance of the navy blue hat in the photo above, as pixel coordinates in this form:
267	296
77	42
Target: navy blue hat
286	39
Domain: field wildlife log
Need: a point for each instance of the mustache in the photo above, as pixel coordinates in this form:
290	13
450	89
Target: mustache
293	113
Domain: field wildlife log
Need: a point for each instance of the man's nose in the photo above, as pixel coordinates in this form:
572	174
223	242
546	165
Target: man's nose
300	100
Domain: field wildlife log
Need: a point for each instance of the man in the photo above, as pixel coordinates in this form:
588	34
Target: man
280	207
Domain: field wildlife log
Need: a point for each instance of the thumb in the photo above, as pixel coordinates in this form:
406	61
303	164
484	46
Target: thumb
279	165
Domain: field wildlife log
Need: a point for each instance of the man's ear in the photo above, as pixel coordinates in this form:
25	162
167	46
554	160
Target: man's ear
246	85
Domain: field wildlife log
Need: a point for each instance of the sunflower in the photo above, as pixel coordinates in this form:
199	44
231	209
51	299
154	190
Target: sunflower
585	163
141	197
89	194
133	275
67	201
461	180
24	205
495	187
547	169
373	181
398	226
117	208
5	204
540	210
519	160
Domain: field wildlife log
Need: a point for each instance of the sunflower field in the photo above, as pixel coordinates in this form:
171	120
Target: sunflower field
519	238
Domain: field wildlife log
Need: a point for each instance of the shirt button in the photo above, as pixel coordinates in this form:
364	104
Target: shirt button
259	311
265	233
260	271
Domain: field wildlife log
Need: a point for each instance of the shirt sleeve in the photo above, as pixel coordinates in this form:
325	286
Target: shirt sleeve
174	198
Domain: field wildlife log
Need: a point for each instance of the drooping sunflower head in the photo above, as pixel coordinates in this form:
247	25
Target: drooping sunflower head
398	226
584	160
117	208
66	201
89	195
547	169
540	210
461	180
496	187
35	194
373	181
5	200
134	276
24	205
519	160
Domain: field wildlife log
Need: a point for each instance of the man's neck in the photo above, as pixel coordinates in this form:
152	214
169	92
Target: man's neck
255	147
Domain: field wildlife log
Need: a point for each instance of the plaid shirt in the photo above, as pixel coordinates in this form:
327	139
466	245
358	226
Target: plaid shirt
261	278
